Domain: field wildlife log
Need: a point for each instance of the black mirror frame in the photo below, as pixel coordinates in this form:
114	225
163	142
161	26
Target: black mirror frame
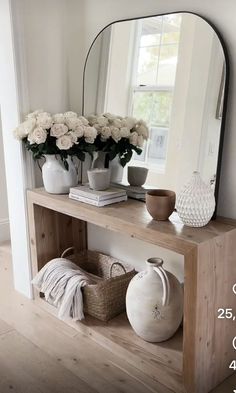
226	87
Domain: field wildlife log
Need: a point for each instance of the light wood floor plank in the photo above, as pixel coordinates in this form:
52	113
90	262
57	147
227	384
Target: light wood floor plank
4	327
26	368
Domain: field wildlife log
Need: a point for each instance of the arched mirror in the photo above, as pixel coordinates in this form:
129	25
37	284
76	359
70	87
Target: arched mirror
171	71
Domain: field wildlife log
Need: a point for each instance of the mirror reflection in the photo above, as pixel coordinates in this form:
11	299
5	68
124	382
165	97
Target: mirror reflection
169	71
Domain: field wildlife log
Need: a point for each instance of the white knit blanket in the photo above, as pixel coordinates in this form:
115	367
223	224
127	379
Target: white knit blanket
60	280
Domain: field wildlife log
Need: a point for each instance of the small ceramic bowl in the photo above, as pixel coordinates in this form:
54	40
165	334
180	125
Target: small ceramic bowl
137	175
99	179
160	203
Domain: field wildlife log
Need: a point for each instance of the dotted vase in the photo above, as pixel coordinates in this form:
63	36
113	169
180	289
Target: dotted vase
196	202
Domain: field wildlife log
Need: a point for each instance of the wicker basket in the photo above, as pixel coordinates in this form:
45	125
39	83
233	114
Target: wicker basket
105	297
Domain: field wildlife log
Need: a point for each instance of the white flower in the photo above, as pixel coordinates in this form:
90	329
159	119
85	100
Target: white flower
38	135
58	118
117	123
124	132
73	122
24	129
140	141
34	114
142	129
44	120
79	131
83	120
90	134
133	138
74	137
70	114
92	119
109	116
105	133
102	121
130	122
98	127
115	134
58	130
64	142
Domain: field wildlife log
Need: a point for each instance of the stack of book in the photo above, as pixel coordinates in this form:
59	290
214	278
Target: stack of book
133	191
84	194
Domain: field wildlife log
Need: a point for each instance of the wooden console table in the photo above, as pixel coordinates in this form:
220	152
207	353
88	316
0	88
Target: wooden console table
197	358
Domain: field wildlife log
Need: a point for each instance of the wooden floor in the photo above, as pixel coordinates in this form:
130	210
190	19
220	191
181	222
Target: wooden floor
40	354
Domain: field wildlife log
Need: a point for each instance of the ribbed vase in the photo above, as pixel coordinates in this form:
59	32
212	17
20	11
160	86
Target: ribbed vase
196	202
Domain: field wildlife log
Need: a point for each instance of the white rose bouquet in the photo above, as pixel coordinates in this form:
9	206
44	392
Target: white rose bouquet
118	135
62	134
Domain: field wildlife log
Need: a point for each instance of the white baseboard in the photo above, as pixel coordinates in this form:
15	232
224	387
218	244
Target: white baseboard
4	230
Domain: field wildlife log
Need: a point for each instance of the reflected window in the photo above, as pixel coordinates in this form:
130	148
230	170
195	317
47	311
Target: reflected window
157	44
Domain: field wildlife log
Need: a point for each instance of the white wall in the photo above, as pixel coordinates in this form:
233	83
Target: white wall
15	165
44	34
4	220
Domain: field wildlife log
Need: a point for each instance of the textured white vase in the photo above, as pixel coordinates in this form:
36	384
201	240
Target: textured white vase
154	302
56	179
196	202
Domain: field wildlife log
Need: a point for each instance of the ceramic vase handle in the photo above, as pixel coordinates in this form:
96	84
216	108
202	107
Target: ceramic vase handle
165	283
95	157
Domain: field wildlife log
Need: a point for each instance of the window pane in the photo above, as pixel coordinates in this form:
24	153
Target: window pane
161	109
167	65
147	65
150	40
142	105
172	22
153	107
158	143
151	31
170	37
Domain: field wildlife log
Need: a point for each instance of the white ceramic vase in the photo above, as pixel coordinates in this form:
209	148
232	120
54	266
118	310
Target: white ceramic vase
114	165
154	302
56	179
196	202
117	170
98	160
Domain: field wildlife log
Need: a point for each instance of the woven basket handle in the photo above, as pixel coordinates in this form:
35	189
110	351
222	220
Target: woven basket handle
67	251
119	264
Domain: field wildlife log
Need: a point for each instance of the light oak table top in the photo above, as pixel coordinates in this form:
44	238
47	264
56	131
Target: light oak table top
131	217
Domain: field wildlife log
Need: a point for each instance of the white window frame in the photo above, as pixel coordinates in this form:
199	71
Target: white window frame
145	88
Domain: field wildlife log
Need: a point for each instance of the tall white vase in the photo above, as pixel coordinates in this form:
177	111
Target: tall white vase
154	302
196	202
114	165
117	170
56	179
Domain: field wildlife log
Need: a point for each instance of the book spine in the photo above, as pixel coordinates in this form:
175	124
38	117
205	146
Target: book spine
84	194
98	198
80	198
97	203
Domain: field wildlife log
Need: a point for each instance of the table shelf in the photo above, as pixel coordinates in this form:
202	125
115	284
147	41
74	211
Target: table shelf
197	358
